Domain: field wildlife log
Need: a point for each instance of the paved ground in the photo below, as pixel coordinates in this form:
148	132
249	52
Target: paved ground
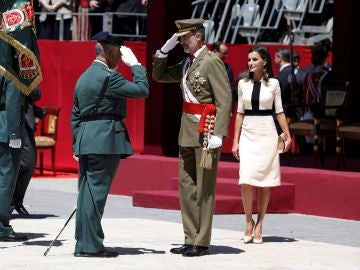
144	236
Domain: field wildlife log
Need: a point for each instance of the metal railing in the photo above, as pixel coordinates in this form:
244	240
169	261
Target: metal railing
107	22
251	18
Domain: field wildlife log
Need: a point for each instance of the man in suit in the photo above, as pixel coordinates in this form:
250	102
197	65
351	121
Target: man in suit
288	85
206	92
100	139
11	130
28	154
221	50
282	61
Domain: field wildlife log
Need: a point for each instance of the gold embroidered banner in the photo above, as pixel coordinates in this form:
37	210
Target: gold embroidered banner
19	59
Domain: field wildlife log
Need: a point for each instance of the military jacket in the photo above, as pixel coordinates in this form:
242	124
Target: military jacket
11	113
208	82
104	136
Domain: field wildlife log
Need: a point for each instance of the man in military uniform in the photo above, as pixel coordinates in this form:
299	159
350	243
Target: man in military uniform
99	135
20	67
11	130
206	93
28	154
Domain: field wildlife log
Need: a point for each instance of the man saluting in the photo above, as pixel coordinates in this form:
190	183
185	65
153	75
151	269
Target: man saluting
204	124
100	139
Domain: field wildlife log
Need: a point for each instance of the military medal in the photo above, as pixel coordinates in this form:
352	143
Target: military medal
196	82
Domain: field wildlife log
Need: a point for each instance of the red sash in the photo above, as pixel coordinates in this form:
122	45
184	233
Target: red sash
202	109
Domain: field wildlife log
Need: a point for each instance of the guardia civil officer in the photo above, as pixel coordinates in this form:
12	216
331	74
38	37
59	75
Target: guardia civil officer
204	124
28	154
100	139
11	130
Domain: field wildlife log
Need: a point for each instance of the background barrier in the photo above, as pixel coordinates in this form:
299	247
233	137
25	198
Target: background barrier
62	62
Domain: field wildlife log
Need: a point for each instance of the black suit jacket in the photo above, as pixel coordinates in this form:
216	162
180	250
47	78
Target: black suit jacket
284	77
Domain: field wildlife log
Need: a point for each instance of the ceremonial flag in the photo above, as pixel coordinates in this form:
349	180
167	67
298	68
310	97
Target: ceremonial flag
19	53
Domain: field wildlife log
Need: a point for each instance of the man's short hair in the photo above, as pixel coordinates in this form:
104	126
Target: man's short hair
284	54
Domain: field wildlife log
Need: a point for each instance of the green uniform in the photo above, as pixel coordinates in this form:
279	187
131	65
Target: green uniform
207	81
99	142
11	128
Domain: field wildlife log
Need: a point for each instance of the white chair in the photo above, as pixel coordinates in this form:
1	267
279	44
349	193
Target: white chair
250	14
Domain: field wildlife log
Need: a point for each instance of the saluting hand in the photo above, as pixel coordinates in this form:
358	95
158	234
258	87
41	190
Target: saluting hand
169	44
128	57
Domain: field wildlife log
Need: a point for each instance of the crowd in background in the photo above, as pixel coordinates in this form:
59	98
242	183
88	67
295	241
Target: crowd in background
81	19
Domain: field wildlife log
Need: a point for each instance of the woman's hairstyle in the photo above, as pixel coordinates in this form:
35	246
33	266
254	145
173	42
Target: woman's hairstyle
264	54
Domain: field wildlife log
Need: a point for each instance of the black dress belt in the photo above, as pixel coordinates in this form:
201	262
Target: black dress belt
103	116
259	112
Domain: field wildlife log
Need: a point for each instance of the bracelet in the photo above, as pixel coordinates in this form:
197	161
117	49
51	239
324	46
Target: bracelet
163	52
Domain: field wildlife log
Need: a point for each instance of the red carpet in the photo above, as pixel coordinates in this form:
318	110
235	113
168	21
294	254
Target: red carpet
151	180
228	198
49	174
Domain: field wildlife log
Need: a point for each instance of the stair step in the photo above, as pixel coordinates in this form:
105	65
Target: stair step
281	201
231	187
169	199
227	186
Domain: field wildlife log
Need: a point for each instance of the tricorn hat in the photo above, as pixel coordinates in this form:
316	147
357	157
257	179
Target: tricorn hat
185	26
106	37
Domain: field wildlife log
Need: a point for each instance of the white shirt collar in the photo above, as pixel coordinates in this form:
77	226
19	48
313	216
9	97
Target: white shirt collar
284	66
196	54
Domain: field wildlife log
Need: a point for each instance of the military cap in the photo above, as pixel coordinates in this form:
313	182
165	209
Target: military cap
185	26
106	37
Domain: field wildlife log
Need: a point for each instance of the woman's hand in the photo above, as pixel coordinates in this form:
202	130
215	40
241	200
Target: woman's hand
287	143
235	150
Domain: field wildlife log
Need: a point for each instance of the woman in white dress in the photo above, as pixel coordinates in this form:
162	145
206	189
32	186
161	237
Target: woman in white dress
256	140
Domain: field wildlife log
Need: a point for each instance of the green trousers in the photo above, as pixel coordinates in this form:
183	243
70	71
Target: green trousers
9	168
96	175
197	195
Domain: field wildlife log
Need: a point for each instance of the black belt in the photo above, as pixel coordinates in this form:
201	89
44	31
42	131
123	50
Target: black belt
104	116
2	107
259	112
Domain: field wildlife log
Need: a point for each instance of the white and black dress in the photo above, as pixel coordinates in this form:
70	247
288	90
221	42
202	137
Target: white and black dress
259	158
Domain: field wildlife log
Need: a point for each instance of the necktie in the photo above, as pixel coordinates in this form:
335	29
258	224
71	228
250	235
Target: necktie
191	57
189	62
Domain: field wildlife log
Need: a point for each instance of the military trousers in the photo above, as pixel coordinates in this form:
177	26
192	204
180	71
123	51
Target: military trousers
197	195
9	168
27	166
96	175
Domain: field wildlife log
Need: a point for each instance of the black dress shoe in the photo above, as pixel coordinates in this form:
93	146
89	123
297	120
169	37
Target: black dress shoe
101	254
21	210
196	251
12	207
180	250
13	238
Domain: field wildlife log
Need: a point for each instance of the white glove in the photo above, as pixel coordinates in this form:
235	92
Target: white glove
15	143
75	157
215	141
169	44
128	57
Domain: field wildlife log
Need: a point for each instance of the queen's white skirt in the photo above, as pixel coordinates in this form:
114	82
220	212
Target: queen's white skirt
259	157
